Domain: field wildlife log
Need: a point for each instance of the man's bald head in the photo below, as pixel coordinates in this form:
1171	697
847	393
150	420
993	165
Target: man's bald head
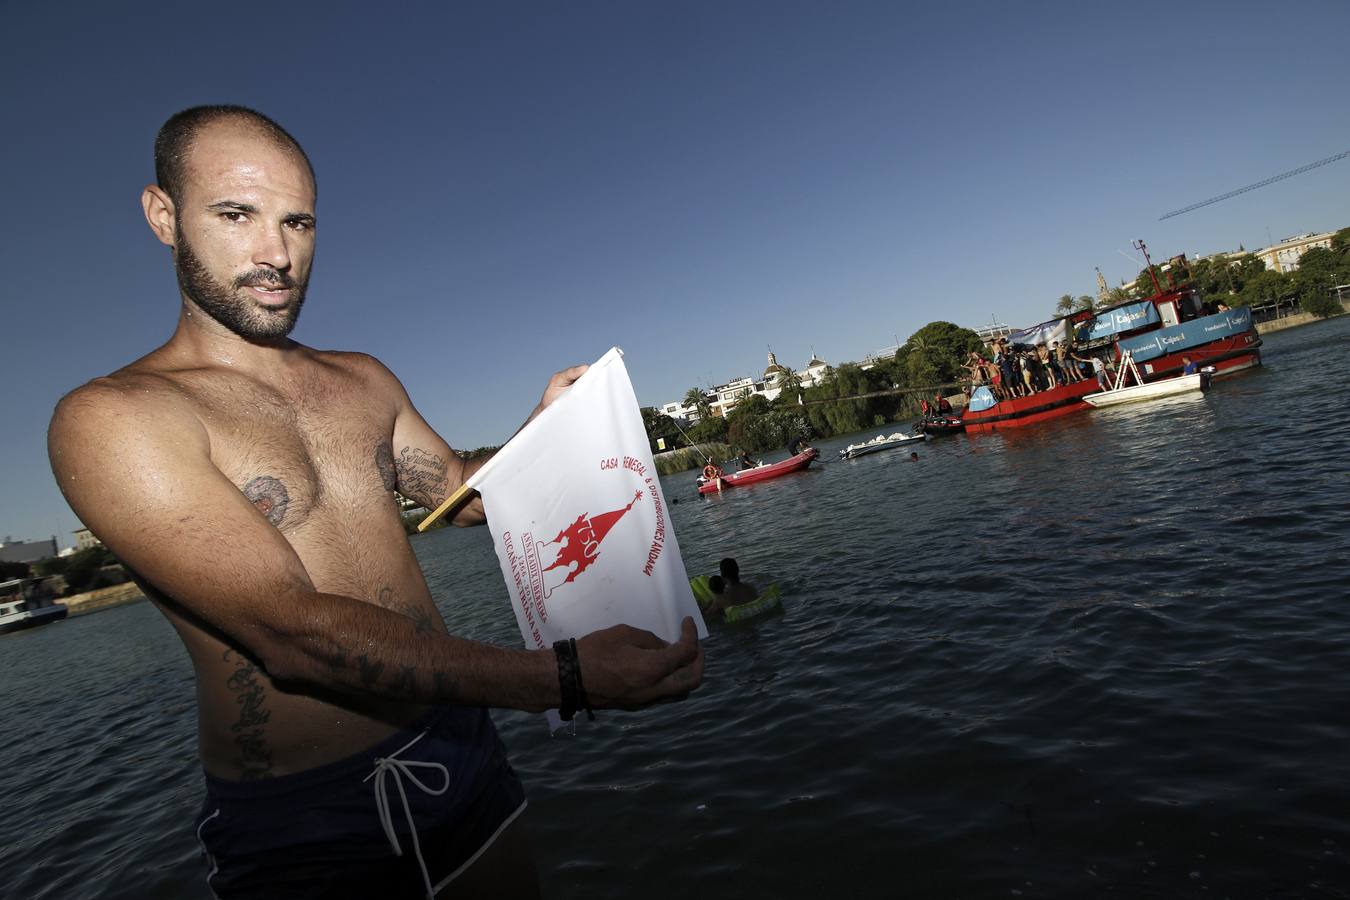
174	141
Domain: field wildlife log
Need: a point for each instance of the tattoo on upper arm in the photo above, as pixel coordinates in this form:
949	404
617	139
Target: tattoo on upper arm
269	495
384	464
422	475
255	757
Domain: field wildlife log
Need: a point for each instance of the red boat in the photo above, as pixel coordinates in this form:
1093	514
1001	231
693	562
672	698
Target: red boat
1048	404
759	473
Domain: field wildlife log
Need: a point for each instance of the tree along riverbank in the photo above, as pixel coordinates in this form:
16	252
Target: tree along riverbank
850	398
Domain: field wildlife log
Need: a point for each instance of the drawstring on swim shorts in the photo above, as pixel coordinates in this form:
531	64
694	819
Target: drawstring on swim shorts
403	768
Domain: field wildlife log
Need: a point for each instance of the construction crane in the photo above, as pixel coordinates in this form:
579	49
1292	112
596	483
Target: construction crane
1251	187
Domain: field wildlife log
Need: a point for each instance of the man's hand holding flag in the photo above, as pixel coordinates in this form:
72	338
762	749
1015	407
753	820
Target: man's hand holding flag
586	547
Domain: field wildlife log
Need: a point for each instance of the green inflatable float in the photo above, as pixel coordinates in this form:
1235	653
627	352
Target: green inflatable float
768	599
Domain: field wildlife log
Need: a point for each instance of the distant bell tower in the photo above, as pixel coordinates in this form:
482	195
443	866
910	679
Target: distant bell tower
1103	292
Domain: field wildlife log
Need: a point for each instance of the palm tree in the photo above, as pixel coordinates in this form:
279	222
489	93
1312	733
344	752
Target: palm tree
788	383
1065	305
695	399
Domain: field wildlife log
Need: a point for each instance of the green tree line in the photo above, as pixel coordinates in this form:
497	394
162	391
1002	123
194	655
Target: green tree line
848	399
1244	280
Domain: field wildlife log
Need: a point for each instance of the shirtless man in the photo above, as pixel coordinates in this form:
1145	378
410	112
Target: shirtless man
248	482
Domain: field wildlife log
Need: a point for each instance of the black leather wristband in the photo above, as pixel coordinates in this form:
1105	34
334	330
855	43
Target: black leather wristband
583	702
566	652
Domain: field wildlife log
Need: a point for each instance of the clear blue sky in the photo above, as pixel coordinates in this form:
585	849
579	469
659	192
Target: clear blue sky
509	188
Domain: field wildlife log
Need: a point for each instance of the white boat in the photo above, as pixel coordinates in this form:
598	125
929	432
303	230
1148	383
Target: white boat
23	607
881	442
1146	390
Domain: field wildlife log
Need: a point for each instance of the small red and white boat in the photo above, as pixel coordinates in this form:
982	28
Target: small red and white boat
759	473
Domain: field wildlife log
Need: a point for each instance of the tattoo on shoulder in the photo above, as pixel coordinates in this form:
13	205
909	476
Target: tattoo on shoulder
269	495
422	475
250	734
384	464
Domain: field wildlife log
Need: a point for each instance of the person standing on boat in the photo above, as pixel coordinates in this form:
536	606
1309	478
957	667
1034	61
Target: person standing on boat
1064	356
1098	368
797	445
746	462
1004	384
1028	373
248	481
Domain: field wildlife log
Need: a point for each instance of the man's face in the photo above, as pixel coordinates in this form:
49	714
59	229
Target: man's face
244	231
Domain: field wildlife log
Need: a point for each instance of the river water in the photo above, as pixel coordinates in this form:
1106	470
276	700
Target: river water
1106	656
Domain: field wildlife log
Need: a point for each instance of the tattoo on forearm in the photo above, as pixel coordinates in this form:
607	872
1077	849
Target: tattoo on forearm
269	495
250	735
445	685
423	620
384	464
370	671
422	475
406	679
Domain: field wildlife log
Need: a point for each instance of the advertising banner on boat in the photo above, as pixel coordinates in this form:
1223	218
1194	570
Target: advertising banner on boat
1188	334
981	399
1114	321
1045	333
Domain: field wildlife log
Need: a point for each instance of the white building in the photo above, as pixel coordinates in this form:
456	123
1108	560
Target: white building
722	399
84	539
1284	256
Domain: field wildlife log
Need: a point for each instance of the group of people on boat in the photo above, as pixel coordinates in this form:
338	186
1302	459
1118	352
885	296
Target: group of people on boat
1016	370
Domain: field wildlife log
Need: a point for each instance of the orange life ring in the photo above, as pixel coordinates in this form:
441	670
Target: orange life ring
710	472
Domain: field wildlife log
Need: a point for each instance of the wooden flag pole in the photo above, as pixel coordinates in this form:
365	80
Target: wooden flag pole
454	501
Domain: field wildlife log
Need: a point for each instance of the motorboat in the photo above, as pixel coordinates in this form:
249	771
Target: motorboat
940	424
23	607
882	442
1147	390
758	473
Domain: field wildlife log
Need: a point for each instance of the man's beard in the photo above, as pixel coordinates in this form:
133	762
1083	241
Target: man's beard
231	308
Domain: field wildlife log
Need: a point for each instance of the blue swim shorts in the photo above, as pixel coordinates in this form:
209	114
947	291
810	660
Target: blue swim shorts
400	819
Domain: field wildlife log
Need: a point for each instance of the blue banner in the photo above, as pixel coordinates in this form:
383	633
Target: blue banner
981	399
1190	334
1126	318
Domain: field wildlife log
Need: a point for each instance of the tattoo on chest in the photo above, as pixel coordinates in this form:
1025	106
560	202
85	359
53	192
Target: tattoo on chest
269	495
421	475
250	736
384	464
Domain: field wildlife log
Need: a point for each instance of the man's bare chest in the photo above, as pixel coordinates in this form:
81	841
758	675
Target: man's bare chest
321	455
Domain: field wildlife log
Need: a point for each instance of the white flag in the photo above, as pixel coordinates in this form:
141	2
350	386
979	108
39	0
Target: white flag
579	521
